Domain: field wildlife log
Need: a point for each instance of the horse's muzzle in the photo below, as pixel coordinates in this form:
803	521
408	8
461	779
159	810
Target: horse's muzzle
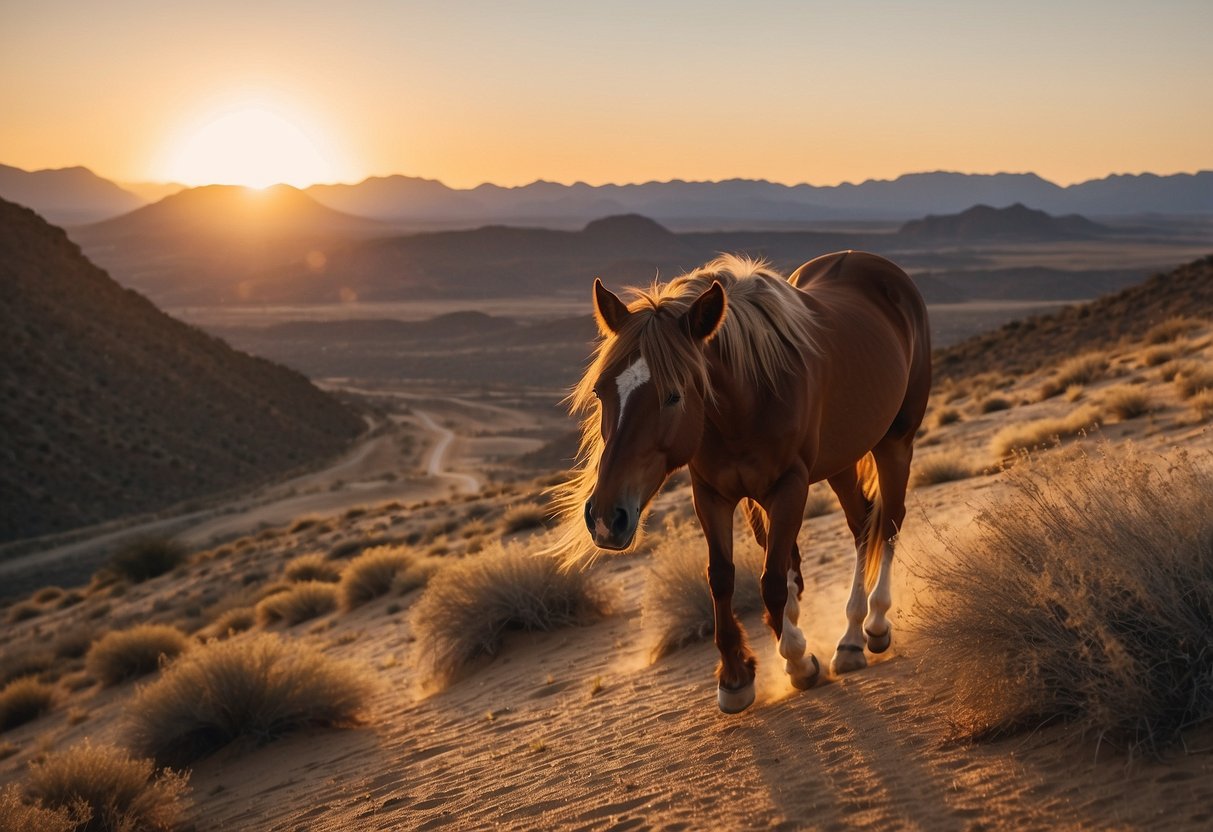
615	535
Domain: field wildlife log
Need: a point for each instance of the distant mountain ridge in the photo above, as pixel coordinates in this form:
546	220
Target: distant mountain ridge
110	407
1014	222
67	196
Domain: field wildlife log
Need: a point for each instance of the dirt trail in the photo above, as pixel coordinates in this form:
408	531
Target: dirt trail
436	462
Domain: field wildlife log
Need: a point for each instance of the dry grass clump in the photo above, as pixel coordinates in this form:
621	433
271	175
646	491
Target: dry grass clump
254	689
47	594
993	404
314	567
469	606
1028	435
522	517
125	654
372	574
1192	378
821	500
23	700
16	815
1202	405
1080	370
946	416
416	575
122	793
945	466
1087	594
146	558
72	642
23	611
1126	401
302	602
677	604
1157	356
1171	329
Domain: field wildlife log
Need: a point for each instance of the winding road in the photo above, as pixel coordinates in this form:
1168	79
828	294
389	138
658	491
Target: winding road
434	466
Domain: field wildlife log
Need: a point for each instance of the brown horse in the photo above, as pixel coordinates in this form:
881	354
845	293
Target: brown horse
761	386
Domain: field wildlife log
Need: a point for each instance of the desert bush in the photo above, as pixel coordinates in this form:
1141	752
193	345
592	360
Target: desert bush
946	416
125	654
312	568
147	558
350	548
942	467
522	517
821	501
302	602
23	700
302	524
1086	593
1157	356
371	574
23	611
677	605
253	689
416	575
27	660
235	620
1126	401
1027	435
47	594
1170	329
1192	378
17	815
122	793
1202	405
993	404
1079	370
469	606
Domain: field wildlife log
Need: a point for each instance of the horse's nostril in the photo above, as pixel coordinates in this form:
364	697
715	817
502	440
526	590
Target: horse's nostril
620	522
589	515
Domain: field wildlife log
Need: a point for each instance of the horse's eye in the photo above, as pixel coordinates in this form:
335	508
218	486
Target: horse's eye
597	395
673	399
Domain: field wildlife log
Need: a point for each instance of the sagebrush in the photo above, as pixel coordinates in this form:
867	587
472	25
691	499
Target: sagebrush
124	654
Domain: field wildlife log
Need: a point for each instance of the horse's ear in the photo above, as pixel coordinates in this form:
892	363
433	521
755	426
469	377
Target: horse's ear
609	310
706	314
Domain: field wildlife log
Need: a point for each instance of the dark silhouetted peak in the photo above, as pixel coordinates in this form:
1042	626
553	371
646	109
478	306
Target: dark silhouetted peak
628	227
1014	221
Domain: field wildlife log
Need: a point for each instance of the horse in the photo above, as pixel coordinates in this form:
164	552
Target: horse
761	386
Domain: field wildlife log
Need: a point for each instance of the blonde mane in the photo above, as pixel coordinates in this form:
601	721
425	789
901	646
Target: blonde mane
767	333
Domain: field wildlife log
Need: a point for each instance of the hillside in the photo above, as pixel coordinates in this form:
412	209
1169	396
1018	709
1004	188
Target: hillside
1023	346
110	407
66	196
1017	222
197	245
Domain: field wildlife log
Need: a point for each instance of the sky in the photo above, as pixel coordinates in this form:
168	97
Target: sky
510	92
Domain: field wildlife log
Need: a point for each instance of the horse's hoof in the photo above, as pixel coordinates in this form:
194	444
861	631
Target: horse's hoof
880	643
847	658
735	701
805	680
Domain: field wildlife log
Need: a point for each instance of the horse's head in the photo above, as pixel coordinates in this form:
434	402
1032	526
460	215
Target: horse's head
651	392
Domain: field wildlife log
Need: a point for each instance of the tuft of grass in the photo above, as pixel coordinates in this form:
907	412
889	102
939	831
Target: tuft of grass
23	611
1192	378
1028	435
23	700
469	606
821	501
1084	594
254	690
121	792
946	466
946	416
17	815
677	608
302	602
28	660
1126	401
47	594
313	567
147	558
416	575
1170	330
1079	370
1202	405
522	517
993	404
125	654
372	574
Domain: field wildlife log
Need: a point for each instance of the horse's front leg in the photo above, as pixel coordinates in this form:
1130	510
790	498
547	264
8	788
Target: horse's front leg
781	582
735	674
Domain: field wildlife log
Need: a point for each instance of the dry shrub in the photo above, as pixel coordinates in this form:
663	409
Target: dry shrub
349	548
146	558
16	815
994	404
416	575
1126	401
47	594
1087	594
313	567
1192	378
302	602
122	793
233	621
1202	405
253	689
677	605
372	574
23	611
1157	356
1171	329
125	654
522	517
946	416
469	606
1079	370
23	700
821	500
27	660
1036	433
945	466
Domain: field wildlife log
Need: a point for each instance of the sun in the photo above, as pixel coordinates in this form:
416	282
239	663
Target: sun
253	145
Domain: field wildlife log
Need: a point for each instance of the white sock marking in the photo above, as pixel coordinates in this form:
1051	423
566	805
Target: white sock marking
792	644
628	382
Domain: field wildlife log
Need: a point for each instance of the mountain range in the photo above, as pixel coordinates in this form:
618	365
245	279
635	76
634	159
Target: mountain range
75	195
109	407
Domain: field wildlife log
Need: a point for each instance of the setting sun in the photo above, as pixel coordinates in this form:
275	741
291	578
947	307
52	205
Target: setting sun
252	145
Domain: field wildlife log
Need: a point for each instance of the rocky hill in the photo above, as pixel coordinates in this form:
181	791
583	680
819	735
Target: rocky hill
1017	222
66	196
108	406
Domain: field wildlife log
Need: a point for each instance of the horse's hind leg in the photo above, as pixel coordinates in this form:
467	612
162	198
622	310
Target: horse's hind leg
782	584
893	457
848	655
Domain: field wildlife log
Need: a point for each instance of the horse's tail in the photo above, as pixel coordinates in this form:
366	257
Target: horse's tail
873	541
758	522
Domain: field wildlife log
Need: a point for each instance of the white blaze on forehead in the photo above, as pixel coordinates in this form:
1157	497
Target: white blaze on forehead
628	382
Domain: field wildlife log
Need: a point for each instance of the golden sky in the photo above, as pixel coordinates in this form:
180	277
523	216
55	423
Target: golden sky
510	92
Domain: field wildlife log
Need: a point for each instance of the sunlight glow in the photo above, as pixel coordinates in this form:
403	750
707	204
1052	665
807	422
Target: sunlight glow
252	145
